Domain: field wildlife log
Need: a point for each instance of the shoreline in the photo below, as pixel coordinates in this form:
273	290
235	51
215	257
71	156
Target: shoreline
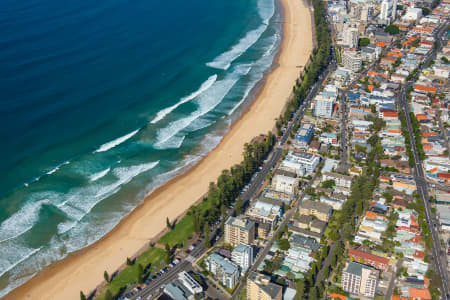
83	269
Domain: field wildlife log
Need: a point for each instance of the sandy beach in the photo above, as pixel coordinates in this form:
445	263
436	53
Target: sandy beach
84	270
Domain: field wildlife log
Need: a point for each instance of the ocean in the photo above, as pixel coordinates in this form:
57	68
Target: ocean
104	101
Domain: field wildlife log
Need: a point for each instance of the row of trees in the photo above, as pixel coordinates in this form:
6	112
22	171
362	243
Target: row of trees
436	280
229	184
407	139
311	287
318	62
418	135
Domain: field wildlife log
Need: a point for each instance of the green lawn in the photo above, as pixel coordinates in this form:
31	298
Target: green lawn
155	256
181	233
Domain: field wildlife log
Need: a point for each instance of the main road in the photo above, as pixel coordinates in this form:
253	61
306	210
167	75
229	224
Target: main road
419	175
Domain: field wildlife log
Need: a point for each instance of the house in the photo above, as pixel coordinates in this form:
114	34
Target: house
415	293
314	147
407	186
320	210
425	89
360	280
390	115
387	61
226	272
378	262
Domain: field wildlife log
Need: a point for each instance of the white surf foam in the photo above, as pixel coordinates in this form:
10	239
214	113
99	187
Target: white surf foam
66	226
21	221
207	101
17	253
116	142
81	201
263	62
13	284
266	9
200	124
175	142
57	168
204	86
224	60
99	175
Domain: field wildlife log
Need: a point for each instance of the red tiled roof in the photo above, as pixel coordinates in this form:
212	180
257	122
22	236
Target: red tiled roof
444	176
390	114
416	293
419	254
369	256
425	88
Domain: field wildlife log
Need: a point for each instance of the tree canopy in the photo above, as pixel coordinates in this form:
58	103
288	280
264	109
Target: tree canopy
392	29
364	42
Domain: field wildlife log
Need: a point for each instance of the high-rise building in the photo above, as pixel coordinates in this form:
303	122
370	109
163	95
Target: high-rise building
242	256
239	231
364	15
352	60
259	287
350	35
224	270
388	11
323	106
358	279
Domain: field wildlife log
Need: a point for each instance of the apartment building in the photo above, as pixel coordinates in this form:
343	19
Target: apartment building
242	256
239	231
225	271
259	287
285	184
301	163
361	280
339	179
320	210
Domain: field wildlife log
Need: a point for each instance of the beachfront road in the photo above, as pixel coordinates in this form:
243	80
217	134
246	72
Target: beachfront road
158	283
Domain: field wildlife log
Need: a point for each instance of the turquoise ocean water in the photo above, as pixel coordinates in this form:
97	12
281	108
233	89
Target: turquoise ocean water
103	101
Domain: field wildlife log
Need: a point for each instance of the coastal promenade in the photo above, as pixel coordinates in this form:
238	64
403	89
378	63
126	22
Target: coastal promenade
84	270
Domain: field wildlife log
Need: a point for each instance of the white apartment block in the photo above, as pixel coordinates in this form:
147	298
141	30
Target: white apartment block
285	184
242	256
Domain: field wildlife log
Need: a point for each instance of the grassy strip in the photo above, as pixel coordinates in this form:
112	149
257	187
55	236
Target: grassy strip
180	233
153	256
